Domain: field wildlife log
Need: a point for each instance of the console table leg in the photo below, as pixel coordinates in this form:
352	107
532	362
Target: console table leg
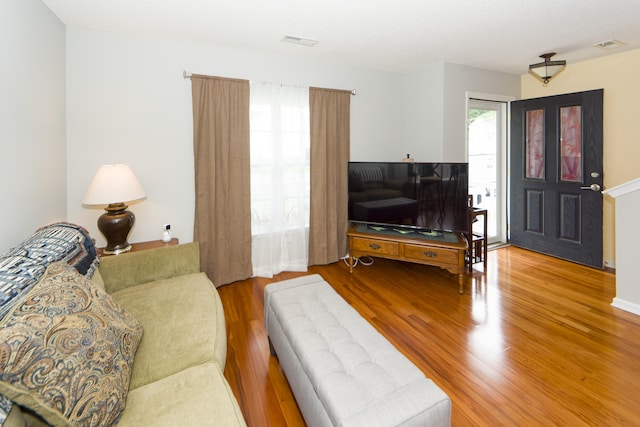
350	264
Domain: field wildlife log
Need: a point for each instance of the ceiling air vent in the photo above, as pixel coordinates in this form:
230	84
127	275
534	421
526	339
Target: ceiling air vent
609	44
299	40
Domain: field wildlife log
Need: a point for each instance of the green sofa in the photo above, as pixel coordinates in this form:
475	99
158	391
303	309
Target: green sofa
177	373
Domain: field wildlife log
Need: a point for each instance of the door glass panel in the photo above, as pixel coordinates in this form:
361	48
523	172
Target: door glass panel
534	141
483	164
486	134
571	144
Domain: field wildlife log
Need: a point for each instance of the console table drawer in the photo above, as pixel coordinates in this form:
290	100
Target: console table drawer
436	255
375	246
446	253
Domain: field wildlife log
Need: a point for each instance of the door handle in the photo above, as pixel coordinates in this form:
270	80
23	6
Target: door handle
592	187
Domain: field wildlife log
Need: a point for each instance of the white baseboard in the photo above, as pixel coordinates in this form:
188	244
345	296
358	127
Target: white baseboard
631	307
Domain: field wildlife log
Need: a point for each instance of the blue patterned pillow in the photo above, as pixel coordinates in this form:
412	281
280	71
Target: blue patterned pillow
22	266
5	408
70	242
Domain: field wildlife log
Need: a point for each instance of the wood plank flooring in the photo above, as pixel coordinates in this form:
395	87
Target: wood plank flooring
533	342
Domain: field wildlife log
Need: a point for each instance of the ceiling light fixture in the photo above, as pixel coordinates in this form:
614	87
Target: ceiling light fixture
548	69
299	40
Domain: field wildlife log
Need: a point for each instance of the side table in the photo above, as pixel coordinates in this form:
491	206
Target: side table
477	241
143	246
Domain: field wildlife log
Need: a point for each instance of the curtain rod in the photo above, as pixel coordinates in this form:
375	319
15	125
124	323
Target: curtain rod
187	75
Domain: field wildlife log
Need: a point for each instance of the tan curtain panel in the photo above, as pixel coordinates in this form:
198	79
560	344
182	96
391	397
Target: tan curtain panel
221	151
330	133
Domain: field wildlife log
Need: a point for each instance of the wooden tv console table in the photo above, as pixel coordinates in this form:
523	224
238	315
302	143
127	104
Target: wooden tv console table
444	250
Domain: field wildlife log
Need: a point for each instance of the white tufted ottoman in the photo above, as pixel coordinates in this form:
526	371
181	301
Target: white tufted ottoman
340	369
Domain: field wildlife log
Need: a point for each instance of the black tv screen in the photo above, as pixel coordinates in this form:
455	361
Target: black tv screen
429	196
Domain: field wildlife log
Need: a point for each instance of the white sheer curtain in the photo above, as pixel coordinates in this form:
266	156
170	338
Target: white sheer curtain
279	178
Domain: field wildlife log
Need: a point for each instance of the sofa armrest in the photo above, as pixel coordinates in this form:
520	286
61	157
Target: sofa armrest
134	268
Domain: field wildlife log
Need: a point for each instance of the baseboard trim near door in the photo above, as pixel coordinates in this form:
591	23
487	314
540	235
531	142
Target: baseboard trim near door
631	307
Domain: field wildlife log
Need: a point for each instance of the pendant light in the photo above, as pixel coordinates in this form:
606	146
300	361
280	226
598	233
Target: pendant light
548	69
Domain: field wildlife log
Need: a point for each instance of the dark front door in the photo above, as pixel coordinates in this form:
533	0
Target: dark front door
556	176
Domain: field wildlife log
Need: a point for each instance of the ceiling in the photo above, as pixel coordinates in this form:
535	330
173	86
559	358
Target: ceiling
391	35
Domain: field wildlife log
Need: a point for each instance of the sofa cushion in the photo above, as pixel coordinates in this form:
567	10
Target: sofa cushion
97	280
136	268
183	323
197	396
66	350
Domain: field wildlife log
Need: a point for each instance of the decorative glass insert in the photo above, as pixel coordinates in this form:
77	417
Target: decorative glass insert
534	145
571	144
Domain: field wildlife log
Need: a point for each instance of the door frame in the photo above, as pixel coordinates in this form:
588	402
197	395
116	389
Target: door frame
503	153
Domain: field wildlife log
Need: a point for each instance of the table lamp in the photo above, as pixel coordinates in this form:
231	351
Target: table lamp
113	185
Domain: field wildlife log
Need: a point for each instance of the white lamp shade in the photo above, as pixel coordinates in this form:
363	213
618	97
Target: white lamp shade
113	184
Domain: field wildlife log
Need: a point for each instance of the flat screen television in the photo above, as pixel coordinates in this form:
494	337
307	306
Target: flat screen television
428	196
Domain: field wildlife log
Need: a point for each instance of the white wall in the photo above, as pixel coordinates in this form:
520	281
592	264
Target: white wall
423	113
458	80
32	119
435	107
627	204
128	103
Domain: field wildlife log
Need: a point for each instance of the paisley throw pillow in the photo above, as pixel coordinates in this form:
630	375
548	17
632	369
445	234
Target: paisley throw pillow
66	351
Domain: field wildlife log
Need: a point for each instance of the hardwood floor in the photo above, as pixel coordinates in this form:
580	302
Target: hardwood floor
534	341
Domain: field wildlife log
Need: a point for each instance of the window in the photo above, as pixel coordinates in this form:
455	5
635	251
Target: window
279	118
